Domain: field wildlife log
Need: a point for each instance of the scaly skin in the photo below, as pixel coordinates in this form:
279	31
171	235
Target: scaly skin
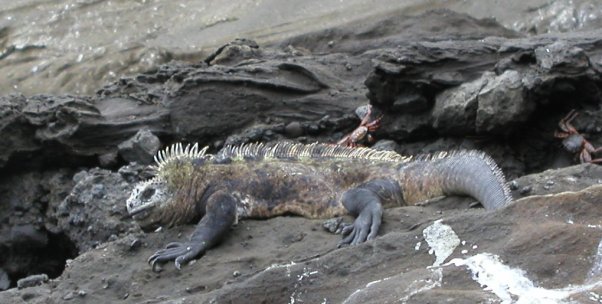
315	181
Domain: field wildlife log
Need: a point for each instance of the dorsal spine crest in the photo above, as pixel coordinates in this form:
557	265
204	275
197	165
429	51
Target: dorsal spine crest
179	152
175	155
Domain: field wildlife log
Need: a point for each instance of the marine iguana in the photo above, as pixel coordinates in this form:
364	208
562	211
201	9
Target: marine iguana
315	181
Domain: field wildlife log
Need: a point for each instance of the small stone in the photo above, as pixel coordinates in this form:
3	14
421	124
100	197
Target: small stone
115	209
525	190
363	110
140	148
236	274
293	129
331	43
513	185
81	293
4	280
549	183
32	280
333	224
69	296
348	66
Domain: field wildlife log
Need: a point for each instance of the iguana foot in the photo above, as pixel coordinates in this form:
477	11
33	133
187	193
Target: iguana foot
365	227
179	252
365	202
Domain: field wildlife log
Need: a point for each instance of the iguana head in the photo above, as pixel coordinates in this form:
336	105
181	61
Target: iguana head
154	202
147	200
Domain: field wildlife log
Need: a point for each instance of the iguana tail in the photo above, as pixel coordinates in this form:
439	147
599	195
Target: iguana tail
471	173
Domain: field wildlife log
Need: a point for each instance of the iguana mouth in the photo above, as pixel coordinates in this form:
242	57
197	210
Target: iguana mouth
141	212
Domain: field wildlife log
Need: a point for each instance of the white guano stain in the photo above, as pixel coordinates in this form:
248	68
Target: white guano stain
511	284
442	239
287	266
306	274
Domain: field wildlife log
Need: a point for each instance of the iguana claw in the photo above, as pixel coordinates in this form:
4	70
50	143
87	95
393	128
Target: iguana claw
179	252
364	228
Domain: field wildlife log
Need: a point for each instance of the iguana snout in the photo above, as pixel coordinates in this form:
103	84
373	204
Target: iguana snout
146	198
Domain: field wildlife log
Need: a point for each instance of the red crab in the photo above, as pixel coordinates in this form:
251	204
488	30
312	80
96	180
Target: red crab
575	142
362	131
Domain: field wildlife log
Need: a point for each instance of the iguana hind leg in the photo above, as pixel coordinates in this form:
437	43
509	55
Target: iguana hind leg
366	203
220	214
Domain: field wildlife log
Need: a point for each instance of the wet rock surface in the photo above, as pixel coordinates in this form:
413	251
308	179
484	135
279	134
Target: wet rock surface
69	163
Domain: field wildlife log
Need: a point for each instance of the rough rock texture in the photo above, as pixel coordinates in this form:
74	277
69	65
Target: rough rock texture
94	211
141	147
475	86
553	237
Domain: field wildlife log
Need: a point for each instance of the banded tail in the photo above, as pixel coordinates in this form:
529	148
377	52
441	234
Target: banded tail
472	173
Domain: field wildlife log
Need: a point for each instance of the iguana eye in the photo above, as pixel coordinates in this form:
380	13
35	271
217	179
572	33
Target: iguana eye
147	194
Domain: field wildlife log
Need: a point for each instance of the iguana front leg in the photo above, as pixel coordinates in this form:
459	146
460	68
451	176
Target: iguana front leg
365	202
220	214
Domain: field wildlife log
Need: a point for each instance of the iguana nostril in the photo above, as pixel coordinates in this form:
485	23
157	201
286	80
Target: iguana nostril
147	193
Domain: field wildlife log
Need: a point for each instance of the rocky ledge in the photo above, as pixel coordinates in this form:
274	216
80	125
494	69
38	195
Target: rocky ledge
69	162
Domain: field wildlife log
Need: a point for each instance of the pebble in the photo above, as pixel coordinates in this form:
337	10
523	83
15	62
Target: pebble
513	185
4	280
333	224
70	295
293	129
363	110
32	280
236	273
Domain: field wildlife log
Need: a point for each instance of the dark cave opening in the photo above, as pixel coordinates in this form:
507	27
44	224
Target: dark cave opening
24	257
